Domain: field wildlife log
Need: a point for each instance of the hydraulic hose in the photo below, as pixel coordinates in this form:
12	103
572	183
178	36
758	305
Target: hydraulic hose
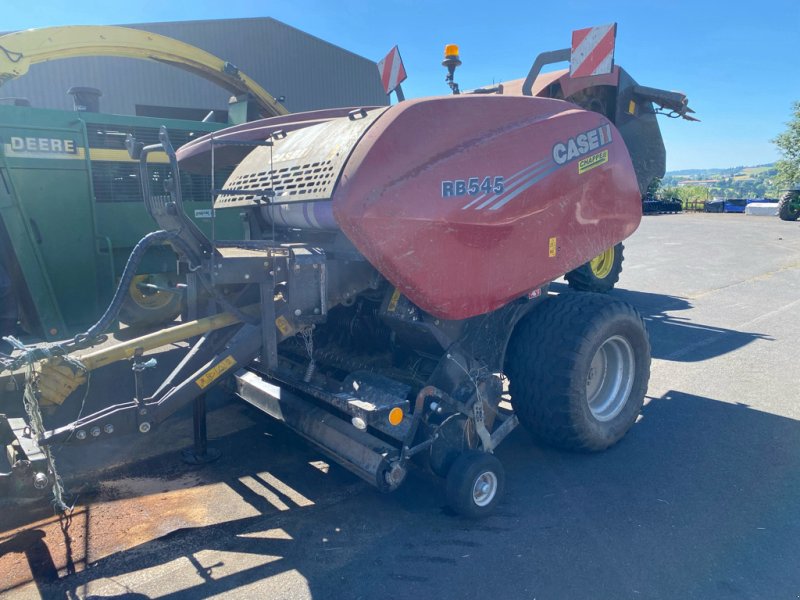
134	260
82	340
156	237
94	333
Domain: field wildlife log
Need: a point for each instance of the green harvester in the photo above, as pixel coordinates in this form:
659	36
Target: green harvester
71	207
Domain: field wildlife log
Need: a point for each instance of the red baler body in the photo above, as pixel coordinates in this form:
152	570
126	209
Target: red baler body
457	256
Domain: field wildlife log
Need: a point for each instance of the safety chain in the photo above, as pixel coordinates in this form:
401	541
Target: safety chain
27	355
307	335
30	399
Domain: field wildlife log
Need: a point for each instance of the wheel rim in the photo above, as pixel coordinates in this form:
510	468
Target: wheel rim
602	264
151	300
610	378
485	488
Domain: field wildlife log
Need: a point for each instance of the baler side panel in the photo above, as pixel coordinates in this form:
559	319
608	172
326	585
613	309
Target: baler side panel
457	256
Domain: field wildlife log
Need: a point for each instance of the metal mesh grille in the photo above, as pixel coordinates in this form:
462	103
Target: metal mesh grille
119	182
303	166
304	181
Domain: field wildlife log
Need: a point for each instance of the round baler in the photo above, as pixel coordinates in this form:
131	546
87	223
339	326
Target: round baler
392	286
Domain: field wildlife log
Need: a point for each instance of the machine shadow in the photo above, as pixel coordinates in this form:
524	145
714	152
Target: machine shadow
235	495
672	338
677	338
707	486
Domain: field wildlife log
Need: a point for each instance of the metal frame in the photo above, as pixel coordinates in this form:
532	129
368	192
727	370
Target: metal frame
545	58
460	388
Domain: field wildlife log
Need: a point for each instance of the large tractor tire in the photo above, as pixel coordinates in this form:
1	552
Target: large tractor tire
144	308
789	206
578	368
599	274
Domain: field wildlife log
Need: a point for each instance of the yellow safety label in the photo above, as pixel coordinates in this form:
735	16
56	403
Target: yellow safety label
553	249
215	372
394	300
590	162
631	107
283	325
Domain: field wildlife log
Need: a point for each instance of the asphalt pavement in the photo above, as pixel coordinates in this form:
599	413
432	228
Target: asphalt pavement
700	500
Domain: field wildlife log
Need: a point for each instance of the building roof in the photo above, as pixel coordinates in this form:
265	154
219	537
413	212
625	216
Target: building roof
308	72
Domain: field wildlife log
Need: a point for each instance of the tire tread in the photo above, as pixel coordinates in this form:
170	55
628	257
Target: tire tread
785	209
541	358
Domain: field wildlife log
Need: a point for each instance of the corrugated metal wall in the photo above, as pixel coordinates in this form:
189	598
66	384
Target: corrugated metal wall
309	72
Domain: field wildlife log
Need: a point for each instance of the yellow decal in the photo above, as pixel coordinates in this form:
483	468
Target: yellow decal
123	156
553	249
632	108
590	162
394	300
283	325
215	372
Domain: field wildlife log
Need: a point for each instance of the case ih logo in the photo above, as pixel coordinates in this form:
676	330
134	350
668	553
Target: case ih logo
581	144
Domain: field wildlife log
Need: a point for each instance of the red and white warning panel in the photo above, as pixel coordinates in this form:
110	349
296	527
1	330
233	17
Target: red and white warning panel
392	71
593	51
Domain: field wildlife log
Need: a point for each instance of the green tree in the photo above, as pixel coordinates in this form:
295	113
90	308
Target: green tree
654	187
668	191
788	144
692	193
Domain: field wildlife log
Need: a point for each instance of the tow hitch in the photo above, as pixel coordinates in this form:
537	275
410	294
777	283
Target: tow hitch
23	461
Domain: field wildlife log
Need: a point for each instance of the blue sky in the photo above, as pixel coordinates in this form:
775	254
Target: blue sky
738	62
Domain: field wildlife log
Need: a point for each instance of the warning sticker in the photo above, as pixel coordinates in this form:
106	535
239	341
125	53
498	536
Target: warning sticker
553	249
393	301
283	325
590	162
215	372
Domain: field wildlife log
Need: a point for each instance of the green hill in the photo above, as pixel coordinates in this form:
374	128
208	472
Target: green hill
735	182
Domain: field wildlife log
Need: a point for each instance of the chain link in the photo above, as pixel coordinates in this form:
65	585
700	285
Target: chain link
31	401
307	335
29	358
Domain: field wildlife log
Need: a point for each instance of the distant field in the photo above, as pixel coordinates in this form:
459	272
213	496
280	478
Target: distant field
755	181
755	170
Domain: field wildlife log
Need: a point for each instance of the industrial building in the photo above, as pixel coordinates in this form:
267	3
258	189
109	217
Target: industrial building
302	71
